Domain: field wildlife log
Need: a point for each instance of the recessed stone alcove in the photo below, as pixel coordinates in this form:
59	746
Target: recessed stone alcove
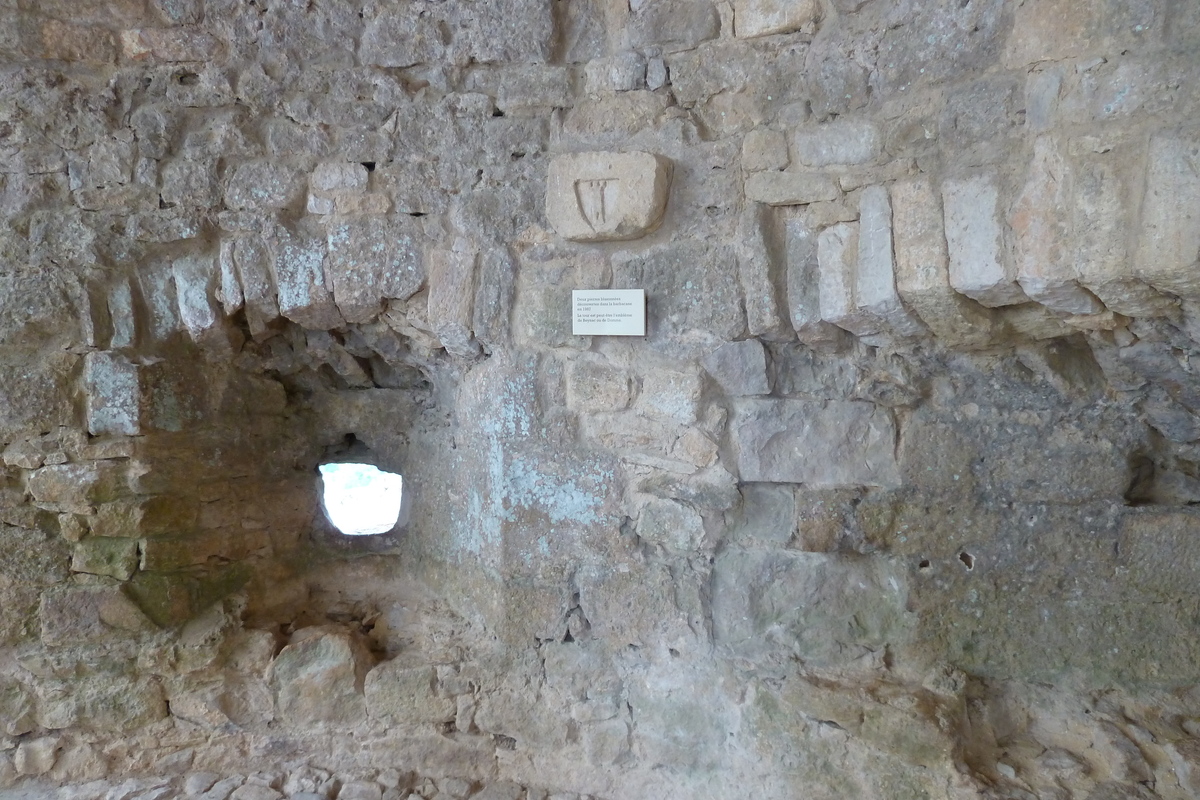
893	500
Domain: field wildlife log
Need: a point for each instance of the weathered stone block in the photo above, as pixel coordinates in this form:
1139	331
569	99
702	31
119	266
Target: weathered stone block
672	395
263	185
399	695
593	197
116	558
841	142
451	300
762	17
369	262
318	677
923	268
837	261
764	149
827	610
763	273
803	281
977	267
672	25
624	72
37	756
253	260
740	368
88	43
135	518
1103	213
339	175
594	386
113	394
1040	221
70	616
1058	30
875	285
298	269
790	188
821	444
1169	240
74	487
169	44
195	291
670	524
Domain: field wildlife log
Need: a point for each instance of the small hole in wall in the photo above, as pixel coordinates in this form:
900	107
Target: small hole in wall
361	499
967	559
924	564
370	165
188	79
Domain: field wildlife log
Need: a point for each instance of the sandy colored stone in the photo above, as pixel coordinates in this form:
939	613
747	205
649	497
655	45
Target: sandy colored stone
790	188
607	196
762	17
978	267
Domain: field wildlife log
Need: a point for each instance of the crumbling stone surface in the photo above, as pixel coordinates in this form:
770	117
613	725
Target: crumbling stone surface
893	500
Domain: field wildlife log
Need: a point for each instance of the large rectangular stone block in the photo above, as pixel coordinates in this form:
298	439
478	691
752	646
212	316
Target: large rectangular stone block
195	291
803	282
837	260
1045	247
452	298
840	142
790	188
1169	239
371	261
826	444
762	273
977	265
923	268
875	289
299	272
593	197
113	394
1104	211
763	17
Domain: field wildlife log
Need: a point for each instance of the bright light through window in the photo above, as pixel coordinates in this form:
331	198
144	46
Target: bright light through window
361	499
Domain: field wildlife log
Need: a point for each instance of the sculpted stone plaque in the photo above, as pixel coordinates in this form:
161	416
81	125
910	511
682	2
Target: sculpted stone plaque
594	197
608	312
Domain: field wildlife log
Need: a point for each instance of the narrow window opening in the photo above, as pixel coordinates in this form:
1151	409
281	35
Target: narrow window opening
361	499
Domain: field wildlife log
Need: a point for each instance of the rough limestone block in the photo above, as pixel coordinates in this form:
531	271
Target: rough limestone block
803	282
229	285
1040	221
827	444
840	142
762	271
371	261
875	288
115	558
157	284
624	72
837	261
1103	213
740	368
319	677
195	291
400	695
973	236
37	756
790	188
253	260
1169	240
672	25
594	386
595	197
670	524
764	149
762	17
262	185
298	268
337	175
120	311
923	268
86	614
451	300
113	394
671	395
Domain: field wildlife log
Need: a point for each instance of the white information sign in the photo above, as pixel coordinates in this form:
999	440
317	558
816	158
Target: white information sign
608	312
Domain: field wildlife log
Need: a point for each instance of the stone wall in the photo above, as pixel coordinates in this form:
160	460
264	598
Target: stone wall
892	500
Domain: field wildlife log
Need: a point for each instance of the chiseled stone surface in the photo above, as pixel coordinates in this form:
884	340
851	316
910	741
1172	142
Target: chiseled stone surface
978	267
607	196
818	444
